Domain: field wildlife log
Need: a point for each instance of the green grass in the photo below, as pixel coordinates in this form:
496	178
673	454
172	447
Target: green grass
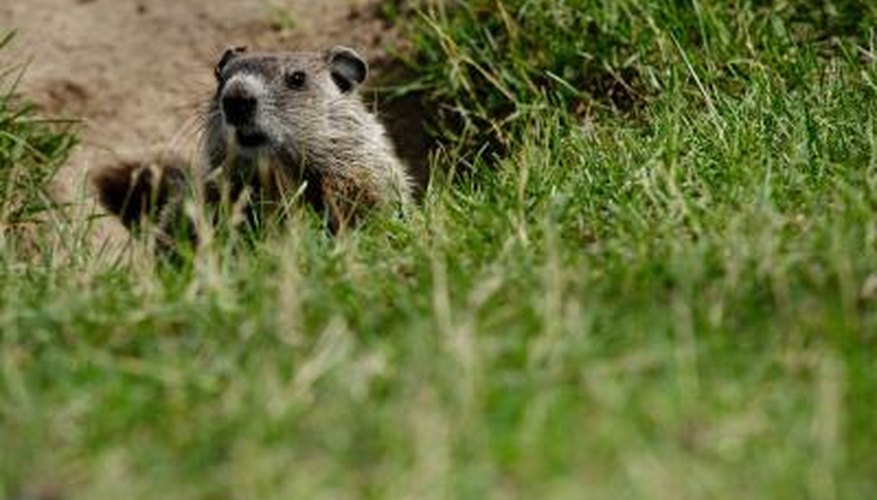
31	151
670	298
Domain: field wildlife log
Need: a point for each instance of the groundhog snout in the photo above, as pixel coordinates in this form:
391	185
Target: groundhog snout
239	108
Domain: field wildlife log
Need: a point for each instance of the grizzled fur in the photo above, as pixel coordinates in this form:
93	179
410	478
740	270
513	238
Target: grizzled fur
278	124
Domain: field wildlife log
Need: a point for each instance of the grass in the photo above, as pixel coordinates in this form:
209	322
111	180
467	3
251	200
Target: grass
674	297
31	151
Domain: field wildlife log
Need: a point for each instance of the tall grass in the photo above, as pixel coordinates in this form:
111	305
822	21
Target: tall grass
492	67
31	151
670	300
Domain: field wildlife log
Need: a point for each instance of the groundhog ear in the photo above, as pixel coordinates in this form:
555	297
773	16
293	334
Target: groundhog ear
229	54
347	67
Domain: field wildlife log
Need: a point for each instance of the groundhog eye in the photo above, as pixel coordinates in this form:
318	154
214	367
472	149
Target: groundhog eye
295	80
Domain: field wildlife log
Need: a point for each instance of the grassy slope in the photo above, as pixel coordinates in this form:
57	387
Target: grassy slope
667	294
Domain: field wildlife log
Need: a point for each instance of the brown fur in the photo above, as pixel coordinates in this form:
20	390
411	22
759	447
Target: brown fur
276	121
135	191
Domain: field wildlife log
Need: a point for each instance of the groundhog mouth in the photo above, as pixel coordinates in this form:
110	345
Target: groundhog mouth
248	139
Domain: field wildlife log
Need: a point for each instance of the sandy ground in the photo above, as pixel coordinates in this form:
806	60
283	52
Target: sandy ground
136	72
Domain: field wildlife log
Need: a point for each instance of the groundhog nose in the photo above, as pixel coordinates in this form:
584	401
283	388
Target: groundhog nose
239	109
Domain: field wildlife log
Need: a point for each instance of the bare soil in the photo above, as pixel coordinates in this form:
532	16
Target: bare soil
137	72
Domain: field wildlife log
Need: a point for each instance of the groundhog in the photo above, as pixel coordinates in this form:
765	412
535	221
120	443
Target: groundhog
279	126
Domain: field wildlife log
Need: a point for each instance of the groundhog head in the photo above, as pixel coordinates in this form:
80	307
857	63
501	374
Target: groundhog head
286	105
